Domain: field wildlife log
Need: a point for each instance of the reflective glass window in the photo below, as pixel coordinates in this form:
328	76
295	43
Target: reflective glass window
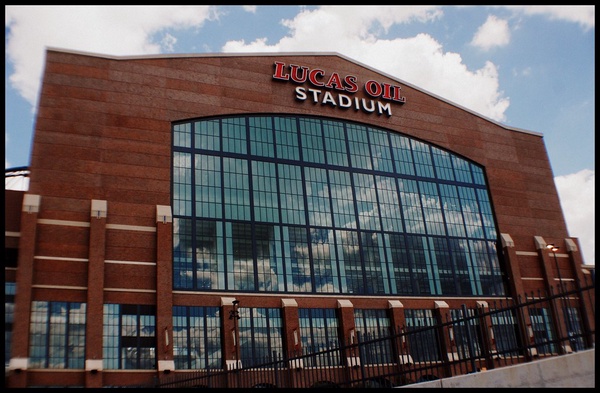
207	135
261	334
306	204
374	325
9	312
57	335
358	140
197	338
234	135
423	343
286	138
319	332
129	337
335	143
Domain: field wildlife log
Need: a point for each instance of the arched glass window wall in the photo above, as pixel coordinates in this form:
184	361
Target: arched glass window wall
313	205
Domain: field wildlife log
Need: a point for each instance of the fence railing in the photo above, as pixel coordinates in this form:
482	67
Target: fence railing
504	333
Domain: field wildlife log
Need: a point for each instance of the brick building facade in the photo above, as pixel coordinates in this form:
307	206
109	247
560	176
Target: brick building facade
108	202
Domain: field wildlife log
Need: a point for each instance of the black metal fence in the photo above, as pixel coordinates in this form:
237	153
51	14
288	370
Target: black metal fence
504	333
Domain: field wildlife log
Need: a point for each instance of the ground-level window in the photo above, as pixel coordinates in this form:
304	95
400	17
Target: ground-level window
129	337
57	335
197	338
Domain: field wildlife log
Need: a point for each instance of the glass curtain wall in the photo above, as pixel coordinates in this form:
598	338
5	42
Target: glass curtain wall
291	204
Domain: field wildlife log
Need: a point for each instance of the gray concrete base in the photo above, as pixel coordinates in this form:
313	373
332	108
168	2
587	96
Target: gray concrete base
576	370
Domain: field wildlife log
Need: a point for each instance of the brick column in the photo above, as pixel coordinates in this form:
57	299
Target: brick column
584	301
291	327
517	290
348	330
488	343
398	322
23	296
164	289
553	287
513	270
95	294
447	344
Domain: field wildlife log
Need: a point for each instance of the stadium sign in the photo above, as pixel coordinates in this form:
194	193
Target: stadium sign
334	89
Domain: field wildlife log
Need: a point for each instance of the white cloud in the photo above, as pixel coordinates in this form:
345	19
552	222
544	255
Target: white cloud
115	30
494	32
585	16
418	60
577	199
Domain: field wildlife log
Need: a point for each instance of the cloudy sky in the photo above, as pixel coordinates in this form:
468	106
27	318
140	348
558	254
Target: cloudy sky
533	67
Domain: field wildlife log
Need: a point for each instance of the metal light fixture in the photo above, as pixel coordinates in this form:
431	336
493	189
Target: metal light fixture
554	249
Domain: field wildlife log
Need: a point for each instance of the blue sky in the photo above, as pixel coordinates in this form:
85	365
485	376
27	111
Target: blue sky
531	68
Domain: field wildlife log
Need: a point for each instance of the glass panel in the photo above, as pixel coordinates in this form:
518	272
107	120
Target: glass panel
432	209
262	138
486	214
403	158
420	260
423	344
372	325
317	196
209	201
207	135
240	263
443	267
325	175
342	199
57	335
366	202
470	209
182	184
110	337
291	193
335	143
465	333
443	164
326	272
9	314
312	141
380	148
422	157
375	274
260	335
237	190
504	326
286	137
411	206
358	140
182	253
389	204
234	135
210	273
348	252
297	260
402	282
182	135
319	332
269	258
452	210
196	338
543	331
264	191
462	169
